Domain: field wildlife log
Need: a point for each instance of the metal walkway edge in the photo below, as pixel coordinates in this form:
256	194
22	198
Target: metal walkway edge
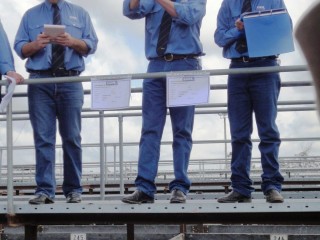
293	211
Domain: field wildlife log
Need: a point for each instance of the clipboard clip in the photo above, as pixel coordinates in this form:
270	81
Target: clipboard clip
111	83
188	78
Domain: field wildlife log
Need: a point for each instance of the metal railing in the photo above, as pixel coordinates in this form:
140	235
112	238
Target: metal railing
284	106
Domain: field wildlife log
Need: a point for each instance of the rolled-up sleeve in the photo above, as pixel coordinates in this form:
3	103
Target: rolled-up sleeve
6	58
145	7
89	35
224	35
22	37
191	12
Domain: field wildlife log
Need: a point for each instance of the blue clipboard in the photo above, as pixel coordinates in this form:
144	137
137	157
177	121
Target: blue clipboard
268	33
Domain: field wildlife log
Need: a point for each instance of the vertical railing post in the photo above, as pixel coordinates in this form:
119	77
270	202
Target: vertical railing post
114	162
1	151
102	156
106	164
10	207
120	118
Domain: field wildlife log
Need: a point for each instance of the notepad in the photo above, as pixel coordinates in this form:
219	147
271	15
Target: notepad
54	30
268	33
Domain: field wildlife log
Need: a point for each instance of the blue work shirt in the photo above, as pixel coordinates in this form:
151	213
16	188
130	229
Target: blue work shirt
227	34
78	25
6	58
185	31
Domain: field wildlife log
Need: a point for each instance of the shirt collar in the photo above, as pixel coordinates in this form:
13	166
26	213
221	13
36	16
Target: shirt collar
49	5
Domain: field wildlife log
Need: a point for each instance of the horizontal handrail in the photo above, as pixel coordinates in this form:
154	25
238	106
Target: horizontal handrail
218	72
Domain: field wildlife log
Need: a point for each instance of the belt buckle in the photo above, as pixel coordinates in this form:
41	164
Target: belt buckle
245	60
168	57
60	72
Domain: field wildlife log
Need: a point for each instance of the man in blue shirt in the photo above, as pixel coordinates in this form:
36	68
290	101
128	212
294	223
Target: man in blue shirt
172	44
48	57
248	93
6	58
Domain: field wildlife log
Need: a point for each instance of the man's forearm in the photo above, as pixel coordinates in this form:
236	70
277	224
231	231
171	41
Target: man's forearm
134	4
30	49
80	47
169	7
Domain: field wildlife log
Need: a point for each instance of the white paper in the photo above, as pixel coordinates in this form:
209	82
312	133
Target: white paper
54	30
187	90
7	98
110	94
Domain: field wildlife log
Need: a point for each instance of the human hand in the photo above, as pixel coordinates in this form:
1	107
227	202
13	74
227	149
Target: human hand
239	25
42	41
65	40
19	79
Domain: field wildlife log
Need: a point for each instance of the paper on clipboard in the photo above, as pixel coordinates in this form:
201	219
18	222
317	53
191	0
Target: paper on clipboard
7	98
268	33
188	90
110	94
54	31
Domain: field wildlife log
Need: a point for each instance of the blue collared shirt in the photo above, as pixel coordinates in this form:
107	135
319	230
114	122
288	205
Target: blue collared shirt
78	25
6	58
227	34
185	31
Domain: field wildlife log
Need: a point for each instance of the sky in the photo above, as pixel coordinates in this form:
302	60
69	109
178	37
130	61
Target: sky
121	50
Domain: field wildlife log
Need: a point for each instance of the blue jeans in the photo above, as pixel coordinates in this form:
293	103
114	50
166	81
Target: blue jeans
47	103
154	113
256	93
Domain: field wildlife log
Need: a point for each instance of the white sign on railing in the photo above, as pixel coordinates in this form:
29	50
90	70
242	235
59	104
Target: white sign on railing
110	94
188	90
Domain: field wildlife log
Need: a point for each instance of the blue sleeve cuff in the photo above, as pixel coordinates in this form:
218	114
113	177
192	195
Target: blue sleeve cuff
126	8
180	11
91	46
190	14
236	33
6	68
18	48
138	12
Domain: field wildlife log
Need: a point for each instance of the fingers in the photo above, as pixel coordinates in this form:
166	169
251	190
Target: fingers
42	40
239	24
19	79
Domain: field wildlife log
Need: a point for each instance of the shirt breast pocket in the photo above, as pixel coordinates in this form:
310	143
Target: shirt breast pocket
75	29
34	31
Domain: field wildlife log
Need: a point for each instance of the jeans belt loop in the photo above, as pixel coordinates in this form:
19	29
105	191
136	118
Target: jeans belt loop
168	57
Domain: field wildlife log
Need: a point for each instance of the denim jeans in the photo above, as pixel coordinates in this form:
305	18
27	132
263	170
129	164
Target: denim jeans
47	103
154	112
256	93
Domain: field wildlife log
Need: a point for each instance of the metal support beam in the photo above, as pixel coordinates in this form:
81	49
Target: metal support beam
130	231
183	228
30	232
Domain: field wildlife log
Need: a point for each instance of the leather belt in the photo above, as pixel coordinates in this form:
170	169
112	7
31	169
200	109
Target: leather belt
174	57
248	60
57	73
